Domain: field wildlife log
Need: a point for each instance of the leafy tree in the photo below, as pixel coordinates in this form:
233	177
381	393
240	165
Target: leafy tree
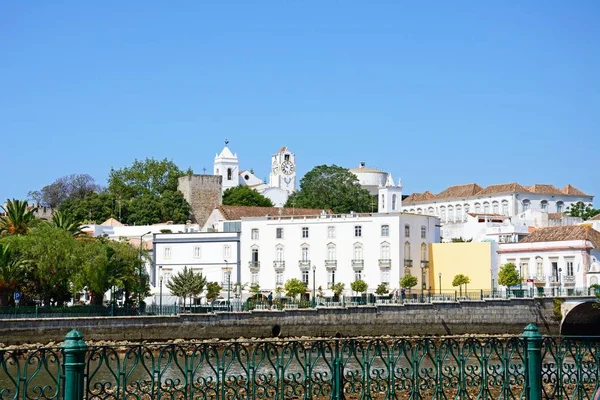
11	273
245	196
461	240
338	289
460	280
145	177
64	221
580	209
213	290
331	187
408	281
508	275
255	290
174	207
18	218
76	186
359	286
95	208
294	287
382	289
186	284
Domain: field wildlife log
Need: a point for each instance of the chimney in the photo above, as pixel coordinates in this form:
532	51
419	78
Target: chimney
361	164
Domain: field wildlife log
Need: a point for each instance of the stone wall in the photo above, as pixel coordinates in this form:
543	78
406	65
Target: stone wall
485	317
203	193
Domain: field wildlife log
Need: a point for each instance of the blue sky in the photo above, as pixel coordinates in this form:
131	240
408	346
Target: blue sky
438	93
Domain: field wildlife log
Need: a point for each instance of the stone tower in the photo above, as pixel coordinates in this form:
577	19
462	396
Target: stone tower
203	193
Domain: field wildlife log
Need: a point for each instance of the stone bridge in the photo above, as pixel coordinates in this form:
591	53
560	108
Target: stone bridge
580	316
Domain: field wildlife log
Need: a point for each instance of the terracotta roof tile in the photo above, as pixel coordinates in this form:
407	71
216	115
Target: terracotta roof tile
572	191
564	233
544	189
513	187
468	190
234	213
595	218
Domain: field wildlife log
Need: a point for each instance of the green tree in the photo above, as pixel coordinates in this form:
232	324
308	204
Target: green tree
460	280
18	218
331	188
508	275
64	221
580	209
408	281
382	289
337	289
294	287
186	284
75	186
145	177
245	196
95	208
213	290
461	240
359	286
11	273
255	291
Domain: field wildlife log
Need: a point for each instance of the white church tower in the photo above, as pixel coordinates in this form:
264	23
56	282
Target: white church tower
227	166
283	171
390	196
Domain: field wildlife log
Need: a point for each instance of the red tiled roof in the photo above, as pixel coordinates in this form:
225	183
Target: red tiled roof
572	190
564	233
234	213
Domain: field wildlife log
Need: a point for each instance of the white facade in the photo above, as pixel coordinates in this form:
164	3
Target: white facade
340	248
283	171
370	179
227	165
390	196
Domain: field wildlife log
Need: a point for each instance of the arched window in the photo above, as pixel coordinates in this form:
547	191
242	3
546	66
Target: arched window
593	281
407	251
383	201
385	251
430	211
423	252
419	211
526	204
459	216
450	214
305	253
560	206
467	208
505	207
254	254
544	205
477	208
443	213
393	202
486	207
358	251
279	252
331	254
495	207
229	174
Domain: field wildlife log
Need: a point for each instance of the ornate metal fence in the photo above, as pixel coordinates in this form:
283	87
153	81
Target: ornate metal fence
525	367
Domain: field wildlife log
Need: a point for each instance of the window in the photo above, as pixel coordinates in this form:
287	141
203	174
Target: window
539	267
167	273
526	205
423	252
167	253
544	205
305	254
385	230
554	265
466	208
286	157
477	208
450	214
407	251
570	268
197	252
305	232
305	277
279	278
407	230
331	252
254	278
393	202
486	208
279	253
495	207
254	234
279	233
430	211
330	278
419	211
358	251
235	226
255	255
331	232
229	174
443	213
383	201
385	276
357	231
385	251
505	208
423	232
226	251
560	206
358	275
459	216
524	269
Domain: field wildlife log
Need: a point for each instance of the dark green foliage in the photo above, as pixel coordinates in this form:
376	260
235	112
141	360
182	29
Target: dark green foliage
186	284
213	290
583	211
508	275
245	196
359	286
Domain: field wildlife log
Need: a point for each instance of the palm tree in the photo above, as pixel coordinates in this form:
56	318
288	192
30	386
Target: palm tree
64	221
18	218
11	271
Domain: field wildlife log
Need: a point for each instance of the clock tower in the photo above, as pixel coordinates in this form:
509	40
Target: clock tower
283	170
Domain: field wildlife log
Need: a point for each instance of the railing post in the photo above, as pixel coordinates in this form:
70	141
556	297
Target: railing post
74	349
533	341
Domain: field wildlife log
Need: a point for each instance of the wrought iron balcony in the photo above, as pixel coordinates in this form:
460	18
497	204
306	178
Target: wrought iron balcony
330	263
304	264
279	264
408	263
254	264
424	264
385	262
568	279
358	263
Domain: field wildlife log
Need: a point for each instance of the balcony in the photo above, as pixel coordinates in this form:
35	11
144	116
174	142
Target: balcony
254	265
358	263
385	262
408	263
330	263
568	280
538	280
424	264
304	264
279	265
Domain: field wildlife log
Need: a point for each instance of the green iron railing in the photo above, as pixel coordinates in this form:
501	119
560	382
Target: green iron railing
524	367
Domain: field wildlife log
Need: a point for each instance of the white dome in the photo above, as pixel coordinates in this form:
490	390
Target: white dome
370	178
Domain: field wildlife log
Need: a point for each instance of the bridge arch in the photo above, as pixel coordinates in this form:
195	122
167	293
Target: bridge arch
582	320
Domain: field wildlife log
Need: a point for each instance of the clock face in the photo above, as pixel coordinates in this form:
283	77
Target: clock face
275	167
287	167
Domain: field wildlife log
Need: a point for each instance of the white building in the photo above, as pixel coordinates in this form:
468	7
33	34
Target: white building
562	255
282	178
370	178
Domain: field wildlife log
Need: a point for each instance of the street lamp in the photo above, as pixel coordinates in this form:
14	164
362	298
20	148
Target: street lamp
559	273
313	296
440	276
424	266
228	271
160	274
140	269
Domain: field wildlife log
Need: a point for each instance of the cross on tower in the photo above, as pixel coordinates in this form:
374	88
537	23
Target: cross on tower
204	170
226	142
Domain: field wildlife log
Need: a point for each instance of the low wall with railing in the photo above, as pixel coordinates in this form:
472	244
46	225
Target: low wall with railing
474	317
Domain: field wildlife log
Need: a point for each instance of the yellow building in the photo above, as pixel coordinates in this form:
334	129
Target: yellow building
450	259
